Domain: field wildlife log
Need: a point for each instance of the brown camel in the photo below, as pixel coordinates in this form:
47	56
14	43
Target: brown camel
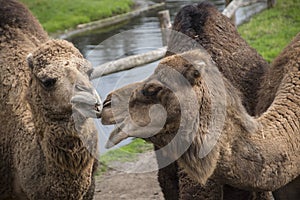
47	140
266	146
237	61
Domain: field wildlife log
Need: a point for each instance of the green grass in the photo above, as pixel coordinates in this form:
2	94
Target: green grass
57	15
270	31
126	153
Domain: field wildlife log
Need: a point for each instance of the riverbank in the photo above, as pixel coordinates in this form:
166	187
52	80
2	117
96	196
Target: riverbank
57	15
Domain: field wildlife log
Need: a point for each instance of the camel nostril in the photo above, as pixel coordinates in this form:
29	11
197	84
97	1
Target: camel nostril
81	87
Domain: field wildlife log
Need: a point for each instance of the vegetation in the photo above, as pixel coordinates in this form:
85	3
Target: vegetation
270	31
57	15
124	154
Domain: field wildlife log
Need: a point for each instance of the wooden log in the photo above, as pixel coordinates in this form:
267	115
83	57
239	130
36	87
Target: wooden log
227	2
271	3
165	25
141	59
128	62
230	10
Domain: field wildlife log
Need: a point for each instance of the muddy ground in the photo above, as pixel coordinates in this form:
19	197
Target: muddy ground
120	181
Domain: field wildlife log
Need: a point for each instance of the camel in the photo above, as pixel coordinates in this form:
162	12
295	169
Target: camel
266	145
237	61
48	140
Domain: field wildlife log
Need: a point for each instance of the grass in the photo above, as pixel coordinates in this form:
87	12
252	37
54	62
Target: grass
126	153
270	31
57	15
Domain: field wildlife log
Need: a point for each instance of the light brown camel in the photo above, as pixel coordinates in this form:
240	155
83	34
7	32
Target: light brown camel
237	61
250	153
47	139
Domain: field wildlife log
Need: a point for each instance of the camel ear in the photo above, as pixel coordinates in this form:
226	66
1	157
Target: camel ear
30	61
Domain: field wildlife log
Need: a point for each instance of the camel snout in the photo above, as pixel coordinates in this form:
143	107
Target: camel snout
86	101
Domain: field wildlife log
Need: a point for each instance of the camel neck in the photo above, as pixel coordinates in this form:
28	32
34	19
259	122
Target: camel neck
269	157
252	153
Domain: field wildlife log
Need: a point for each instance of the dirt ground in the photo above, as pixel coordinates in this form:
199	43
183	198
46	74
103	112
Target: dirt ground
118	183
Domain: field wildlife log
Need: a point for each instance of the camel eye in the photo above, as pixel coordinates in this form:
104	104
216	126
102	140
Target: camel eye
151	90
48	83
196	73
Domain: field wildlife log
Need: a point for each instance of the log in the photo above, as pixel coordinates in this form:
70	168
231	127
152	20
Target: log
141	59
227	2
232	7
128	62
271	3
165	25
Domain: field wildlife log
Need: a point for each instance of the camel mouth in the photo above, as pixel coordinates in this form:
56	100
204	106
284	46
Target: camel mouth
98	110
87	104
116	136
107	103
87	110
107	117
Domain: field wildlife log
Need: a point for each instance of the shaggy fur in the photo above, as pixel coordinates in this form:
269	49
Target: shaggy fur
266	146
43	154
238	62
267	93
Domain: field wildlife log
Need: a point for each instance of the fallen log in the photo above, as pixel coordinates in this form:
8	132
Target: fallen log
128	62
232	7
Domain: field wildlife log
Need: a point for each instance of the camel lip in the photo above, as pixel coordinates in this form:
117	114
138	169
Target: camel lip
107	117
87	110
116	136
107	103
98	109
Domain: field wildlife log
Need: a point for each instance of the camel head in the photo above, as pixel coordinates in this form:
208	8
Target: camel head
60	84
166	105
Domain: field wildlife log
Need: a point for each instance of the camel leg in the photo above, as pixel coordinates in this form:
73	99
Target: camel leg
167	178
191	190
90	193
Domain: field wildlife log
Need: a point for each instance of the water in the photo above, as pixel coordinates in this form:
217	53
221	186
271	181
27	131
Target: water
139	35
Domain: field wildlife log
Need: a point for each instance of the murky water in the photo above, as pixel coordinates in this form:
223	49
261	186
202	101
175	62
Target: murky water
136	36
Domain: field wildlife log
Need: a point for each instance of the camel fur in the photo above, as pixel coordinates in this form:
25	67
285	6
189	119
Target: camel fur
47	139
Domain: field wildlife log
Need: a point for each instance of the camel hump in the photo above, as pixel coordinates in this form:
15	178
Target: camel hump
14	14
